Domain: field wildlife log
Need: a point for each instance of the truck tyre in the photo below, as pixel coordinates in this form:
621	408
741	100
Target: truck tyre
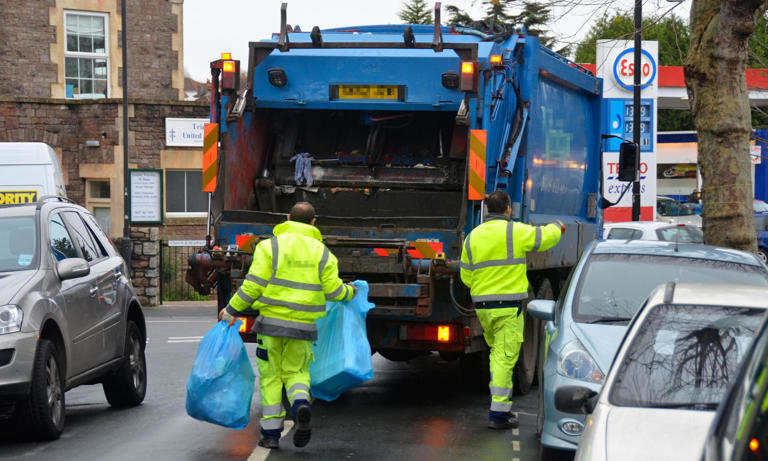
127	386
44	408
399	355
525	371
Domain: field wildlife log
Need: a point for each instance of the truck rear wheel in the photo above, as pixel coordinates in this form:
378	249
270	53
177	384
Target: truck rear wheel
525	371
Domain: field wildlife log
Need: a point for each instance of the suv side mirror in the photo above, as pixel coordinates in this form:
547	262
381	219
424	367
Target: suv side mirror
72	268
629	161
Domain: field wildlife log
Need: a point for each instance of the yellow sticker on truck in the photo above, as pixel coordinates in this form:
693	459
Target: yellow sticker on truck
15	197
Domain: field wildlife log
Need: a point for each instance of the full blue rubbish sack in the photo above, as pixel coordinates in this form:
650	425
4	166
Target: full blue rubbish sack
220	386
342	352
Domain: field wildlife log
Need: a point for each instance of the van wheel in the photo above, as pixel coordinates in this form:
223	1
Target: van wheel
128	385
44	407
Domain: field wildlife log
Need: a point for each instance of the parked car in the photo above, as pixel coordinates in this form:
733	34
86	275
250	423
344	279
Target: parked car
583	328
671	211
653	230
739	431
68	315
675	363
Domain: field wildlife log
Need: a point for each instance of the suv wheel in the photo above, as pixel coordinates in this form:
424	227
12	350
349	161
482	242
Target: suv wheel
45	404
128	385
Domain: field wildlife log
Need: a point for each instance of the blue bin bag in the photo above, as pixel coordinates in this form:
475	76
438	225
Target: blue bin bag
220	386
342	352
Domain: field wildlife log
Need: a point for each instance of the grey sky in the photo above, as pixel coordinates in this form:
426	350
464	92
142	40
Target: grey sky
213	27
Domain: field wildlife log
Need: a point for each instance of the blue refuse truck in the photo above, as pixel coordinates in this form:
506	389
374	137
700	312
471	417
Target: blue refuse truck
395	133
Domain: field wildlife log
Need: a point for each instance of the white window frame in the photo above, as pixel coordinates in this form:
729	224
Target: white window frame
181	214
77	54
98	202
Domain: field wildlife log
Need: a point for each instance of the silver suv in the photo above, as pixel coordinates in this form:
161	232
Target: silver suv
68	315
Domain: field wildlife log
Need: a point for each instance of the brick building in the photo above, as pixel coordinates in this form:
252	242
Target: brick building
63	87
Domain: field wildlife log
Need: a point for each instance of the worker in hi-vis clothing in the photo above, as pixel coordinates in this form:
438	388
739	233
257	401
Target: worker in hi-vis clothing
493	267
292	275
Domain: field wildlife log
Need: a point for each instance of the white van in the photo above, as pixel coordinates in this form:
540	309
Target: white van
28	171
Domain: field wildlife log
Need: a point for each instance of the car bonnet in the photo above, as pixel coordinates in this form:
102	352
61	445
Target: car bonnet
600	340
657	434
11	283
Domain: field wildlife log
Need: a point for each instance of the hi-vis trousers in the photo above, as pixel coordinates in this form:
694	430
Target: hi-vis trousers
504	334
283	362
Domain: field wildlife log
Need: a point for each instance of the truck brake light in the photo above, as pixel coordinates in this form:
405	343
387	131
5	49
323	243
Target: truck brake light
468	76
230	74
247	324
443	333
496	60
228	66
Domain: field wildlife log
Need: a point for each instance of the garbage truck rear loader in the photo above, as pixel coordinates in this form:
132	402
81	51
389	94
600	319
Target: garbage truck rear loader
395	134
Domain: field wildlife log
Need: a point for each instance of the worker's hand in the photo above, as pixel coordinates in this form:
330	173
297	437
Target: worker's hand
354	289
560	224
227	317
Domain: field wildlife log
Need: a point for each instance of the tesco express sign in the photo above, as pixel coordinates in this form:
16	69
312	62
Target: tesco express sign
624	69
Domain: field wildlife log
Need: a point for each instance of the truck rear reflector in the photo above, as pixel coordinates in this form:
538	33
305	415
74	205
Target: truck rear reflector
443	333
476	170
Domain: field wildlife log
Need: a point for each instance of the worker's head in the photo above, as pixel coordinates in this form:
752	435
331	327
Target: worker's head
498	202
303	212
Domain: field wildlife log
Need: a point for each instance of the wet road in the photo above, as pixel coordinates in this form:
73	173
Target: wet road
409	411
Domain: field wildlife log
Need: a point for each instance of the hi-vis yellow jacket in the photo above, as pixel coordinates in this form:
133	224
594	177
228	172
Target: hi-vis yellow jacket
291	276
493	258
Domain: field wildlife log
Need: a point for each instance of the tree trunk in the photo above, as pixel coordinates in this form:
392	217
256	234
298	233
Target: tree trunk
717	88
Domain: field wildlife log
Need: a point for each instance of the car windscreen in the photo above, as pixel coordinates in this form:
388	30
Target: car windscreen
680	234
18	244
684	356
613	286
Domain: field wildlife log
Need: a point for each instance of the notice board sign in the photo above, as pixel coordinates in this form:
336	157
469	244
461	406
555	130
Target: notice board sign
145	189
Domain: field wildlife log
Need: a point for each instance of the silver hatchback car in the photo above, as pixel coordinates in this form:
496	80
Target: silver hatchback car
68	315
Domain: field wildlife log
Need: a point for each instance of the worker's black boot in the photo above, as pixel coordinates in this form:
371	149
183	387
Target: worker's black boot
510	422
303	432
269	443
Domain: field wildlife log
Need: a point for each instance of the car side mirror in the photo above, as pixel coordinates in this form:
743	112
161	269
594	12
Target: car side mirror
629	161
72	268
575	399
543	309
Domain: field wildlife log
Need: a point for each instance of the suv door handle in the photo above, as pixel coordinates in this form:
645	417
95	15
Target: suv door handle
94	291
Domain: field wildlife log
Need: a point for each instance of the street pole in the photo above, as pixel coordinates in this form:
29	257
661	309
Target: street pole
636	107
126	247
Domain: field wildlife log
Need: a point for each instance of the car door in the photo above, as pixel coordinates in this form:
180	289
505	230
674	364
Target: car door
103	276
114	296
80	306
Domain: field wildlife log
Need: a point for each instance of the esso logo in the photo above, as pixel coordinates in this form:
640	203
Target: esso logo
624	69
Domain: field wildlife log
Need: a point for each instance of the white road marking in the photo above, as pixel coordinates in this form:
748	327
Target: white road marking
515	431
515	445
176	341
185	337
515	459
261	453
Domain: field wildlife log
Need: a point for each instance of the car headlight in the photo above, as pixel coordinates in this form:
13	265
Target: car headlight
576	363
10	319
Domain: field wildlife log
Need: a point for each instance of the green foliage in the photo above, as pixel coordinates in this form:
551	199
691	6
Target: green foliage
758	45
415	12
670	31
675	120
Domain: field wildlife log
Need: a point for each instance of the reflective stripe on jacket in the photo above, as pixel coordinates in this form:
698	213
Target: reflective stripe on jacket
292	275
493	257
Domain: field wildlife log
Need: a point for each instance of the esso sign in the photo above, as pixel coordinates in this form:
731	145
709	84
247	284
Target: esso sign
624	69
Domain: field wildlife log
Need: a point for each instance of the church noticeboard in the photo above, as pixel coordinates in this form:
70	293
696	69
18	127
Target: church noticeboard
145	189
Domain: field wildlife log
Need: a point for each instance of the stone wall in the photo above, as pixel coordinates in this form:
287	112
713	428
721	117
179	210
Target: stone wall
145	264
26	37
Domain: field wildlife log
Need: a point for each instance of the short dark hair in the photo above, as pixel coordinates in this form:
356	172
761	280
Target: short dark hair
303	212
497	201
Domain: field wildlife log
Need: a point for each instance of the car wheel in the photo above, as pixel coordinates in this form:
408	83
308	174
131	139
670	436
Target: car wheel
553	454
128	385
763	255
44	409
